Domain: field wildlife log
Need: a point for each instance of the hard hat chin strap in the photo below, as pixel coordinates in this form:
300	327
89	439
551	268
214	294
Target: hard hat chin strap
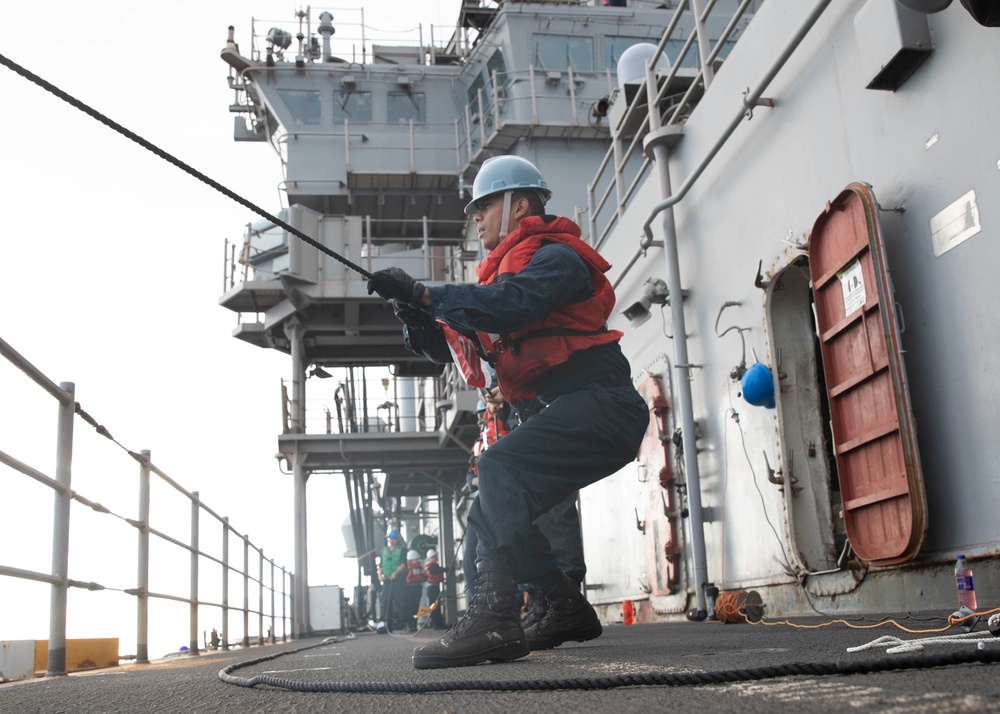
505	220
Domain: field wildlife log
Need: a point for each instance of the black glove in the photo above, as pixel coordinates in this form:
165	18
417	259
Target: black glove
413	316
395	284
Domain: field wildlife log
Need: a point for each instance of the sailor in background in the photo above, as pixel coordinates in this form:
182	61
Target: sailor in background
435	576
415	579
391	565
538	315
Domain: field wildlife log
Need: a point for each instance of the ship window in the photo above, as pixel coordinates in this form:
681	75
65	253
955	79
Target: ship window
614	46
302	104
272	123
348	104
496	64
558	52
404	106
478	86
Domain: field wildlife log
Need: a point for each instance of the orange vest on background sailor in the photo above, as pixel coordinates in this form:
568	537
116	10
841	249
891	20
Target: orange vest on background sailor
524	355
493	429
415	572
433	578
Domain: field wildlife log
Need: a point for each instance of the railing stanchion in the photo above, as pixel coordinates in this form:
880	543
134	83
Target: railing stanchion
195	514
60	533
142	584
246	591
225	583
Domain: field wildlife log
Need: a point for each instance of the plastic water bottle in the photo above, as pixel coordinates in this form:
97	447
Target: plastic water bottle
963	581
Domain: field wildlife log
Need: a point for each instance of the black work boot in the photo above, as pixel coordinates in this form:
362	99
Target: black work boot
535	609
490	630
568	616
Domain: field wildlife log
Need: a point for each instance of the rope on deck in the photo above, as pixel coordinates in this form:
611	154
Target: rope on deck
664	679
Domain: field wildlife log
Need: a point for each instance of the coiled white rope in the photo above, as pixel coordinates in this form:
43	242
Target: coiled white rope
897	645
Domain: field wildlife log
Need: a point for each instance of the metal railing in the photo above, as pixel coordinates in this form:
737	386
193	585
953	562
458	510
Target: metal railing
273	585
453	258
354	39
355	402
612	178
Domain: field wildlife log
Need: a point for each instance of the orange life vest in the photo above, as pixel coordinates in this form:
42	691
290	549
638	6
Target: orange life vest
415	572
493	429
433	577
524	355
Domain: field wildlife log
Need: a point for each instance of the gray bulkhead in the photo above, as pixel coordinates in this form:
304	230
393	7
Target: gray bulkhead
923	148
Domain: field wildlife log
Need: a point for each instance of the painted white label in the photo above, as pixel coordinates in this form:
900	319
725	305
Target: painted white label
852	281
955	224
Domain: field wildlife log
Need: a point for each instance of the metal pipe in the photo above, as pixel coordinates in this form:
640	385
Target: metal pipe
193	621
260	597
300	606
246	591
643	246
13	572
9	460
36	376
225	583
271	638
446	552
700	13
142	579
284	603
60	532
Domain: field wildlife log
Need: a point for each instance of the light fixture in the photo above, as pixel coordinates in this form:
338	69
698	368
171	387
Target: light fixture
281	39
654	292
600	108
318	371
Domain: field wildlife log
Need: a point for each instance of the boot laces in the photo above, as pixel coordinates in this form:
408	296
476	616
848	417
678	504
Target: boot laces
481	600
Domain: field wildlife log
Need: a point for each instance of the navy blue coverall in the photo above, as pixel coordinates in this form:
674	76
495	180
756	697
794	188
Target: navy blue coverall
590	424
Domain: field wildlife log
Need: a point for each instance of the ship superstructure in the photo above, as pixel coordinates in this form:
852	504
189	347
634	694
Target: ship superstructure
755	172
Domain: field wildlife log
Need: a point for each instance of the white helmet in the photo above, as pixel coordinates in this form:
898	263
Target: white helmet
412	555
432	553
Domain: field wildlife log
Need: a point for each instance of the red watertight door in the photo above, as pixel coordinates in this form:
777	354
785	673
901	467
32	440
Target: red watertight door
873	431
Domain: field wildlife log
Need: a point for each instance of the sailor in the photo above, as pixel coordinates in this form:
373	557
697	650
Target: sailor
539	317
390	567
415	579
435	576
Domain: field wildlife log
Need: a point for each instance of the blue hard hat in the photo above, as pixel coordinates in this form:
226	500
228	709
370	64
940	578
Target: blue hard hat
507	173
393	533
758	386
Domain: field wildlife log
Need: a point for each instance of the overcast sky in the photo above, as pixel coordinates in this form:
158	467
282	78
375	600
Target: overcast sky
113	267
